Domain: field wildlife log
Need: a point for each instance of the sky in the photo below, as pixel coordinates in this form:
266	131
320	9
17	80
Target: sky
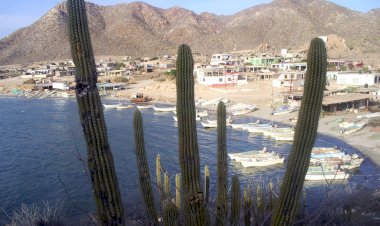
15	14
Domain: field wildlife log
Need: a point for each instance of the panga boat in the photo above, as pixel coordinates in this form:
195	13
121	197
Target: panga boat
144	106
140	98
164	109
110	105
325	173
266	161
351	127
284	110
124	106
239	156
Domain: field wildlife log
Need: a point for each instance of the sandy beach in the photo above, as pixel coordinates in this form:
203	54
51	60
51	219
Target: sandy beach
259	93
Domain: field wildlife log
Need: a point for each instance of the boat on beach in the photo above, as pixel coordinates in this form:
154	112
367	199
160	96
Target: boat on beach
285	109
108	106
143	106
351	127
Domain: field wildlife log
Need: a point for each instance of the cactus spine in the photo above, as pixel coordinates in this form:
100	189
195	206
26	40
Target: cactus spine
235	201
305	134
222	194
207	184
100	161
143	169
193	201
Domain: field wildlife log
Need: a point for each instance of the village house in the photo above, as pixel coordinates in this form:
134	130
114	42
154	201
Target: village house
289	80
264	61
290	66
357	79
220	76
223	59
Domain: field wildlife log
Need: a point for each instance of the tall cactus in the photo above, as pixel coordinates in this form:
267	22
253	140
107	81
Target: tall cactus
305	134
207	184
247	207
143	169
222	194
193	201
100	160
235	201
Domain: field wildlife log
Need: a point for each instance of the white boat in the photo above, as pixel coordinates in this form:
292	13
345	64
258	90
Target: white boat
144	106
124	106
351	127
110	105
284	110
325	173
175	118
164	109
344	162
200	113
371	115
241	109
246	126
239	156
212	101
228	120
265	161
319	152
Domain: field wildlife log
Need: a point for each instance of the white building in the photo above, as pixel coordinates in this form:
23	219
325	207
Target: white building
290	66
290	80
220	77
223	59
357	79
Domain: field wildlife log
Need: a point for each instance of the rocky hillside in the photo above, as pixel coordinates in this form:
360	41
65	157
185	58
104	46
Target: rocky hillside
139	29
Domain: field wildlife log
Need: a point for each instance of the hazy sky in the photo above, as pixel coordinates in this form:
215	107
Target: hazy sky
15	14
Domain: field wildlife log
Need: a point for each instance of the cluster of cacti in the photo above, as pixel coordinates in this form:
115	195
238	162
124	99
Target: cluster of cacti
100	162
191	199
143	169
305	134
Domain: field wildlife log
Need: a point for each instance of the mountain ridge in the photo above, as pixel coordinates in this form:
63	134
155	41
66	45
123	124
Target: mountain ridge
138	29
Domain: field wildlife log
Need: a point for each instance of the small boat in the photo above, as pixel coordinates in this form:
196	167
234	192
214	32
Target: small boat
140	98
200	113
164	109
241	109
110	105
239	156
124	106
266	161
348	162
351	127
325	173
319	152
228	120
144	106
284	110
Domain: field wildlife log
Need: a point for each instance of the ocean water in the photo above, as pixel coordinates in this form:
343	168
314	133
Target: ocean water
43	156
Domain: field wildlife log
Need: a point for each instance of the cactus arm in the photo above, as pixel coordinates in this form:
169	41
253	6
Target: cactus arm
305	134
222	194
235	201
100	160
207	184
143	169
193	200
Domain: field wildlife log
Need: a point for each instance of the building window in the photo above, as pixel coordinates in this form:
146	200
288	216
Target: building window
220	79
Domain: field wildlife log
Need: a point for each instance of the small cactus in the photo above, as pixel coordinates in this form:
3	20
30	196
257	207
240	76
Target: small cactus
143	169
235	201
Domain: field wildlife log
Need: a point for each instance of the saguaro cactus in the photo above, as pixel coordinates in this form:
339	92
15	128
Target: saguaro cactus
194	210
143	169
305	134
222	194
100	161
247	207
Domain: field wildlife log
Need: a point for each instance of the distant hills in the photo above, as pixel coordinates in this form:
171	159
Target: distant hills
138	29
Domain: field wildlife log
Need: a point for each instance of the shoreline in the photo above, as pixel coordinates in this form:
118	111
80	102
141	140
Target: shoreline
264	97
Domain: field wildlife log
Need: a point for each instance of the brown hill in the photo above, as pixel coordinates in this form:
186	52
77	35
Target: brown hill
139	29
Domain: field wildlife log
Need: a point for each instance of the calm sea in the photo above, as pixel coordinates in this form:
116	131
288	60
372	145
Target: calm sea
43	155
